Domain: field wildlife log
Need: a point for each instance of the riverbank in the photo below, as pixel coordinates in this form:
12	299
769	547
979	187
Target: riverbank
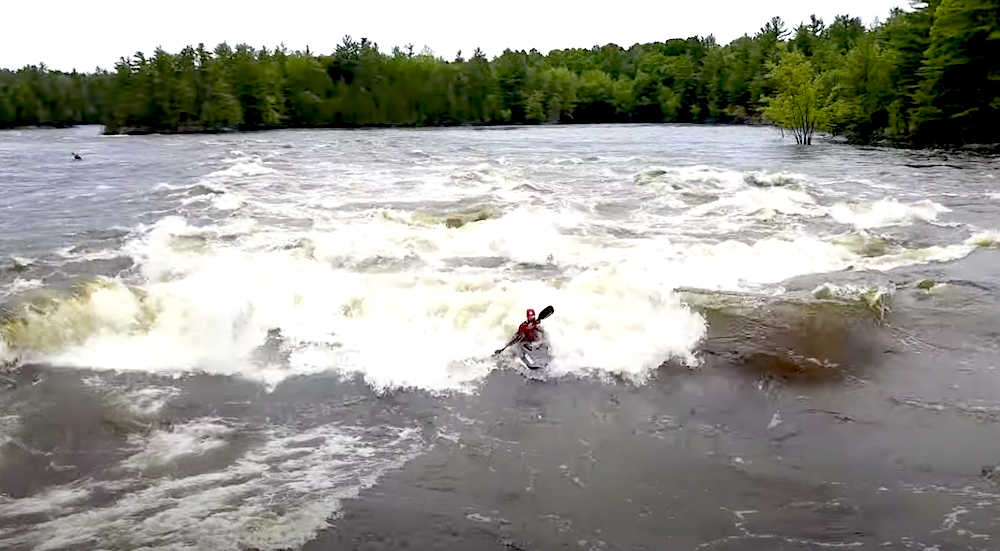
188	129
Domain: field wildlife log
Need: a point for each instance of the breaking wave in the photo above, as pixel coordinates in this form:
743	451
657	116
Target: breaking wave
886	212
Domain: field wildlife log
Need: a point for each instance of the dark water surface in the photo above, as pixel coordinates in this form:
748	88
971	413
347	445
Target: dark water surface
281	341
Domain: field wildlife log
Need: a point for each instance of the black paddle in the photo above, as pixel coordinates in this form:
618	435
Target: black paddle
546	312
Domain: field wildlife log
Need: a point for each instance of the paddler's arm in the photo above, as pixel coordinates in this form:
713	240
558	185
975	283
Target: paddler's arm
516	338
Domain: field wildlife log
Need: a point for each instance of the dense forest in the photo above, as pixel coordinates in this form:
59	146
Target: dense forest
928	76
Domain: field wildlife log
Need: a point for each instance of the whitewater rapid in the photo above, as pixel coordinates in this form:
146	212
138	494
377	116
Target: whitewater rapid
412	273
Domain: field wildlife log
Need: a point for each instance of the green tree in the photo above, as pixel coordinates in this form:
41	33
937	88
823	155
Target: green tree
798	105
959	92
861	91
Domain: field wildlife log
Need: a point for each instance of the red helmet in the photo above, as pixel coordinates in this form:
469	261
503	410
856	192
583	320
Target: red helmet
531	313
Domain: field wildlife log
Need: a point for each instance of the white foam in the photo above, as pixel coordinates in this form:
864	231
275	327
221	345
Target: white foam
886	212
274	496
6	353
19	286
699	177
989	239
226	184
149	401
762	203
103	254
243	164
780	179
228	201
142	402
48	501
737	265
20	262
166	446
926	255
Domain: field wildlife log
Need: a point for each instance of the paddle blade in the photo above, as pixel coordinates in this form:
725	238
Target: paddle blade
546	312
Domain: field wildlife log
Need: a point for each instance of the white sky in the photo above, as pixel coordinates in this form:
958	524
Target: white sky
84	34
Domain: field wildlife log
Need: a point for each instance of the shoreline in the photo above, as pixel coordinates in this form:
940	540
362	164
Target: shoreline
243	128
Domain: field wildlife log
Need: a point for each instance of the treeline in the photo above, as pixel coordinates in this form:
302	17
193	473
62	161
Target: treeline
929	76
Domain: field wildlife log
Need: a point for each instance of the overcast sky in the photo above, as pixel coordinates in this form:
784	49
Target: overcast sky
88	33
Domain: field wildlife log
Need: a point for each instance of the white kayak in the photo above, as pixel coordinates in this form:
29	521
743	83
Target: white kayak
534	355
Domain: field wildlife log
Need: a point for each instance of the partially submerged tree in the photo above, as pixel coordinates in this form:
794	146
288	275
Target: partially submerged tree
797	105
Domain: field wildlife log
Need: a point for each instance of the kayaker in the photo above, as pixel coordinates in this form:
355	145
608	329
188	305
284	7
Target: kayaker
529	331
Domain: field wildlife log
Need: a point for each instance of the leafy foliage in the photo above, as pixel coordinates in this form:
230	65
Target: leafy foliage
798	104
925	76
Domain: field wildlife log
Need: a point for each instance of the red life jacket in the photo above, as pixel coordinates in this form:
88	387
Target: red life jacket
529	331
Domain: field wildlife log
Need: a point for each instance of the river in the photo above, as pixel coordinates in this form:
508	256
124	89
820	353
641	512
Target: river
283	340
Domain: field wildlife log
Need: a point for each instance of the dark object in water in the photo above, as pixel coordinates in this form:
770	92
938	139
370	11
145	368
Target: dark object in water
991	473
